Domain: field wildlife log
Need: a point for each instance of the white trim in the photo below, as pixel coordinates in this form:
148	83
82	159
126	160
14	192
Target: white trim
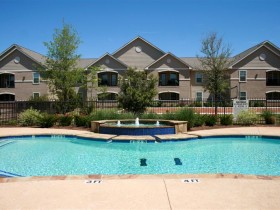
20	70
7	93
245	76
255	68
7	73
243	92
170	70
272	70
262	45
249	78
108	92
201	95
175	57
168	91
106	54
38	78
8	52
24	81
105	71
138	37
272	91
195	78
166	69
36	92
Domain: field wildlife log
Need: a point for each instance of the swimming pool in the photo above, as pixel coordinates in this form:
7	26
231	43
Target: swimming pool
70	155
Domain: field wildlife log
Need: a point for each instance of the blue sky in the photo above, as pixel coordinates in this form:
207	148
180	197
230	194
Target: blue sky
177	26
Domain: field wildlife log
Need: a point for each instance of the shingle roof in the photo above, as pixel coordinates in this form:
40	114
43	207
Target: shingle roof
32	54
85	62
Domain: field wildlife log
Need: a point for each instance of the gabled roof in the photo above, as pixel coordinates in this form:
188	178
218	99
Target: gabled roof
239	57
138	38
175	57
107	54
36	57
85	62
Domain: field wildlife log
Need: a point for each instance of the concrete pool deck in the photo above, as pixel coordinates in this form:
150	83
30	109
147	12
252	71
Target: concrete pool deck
142	191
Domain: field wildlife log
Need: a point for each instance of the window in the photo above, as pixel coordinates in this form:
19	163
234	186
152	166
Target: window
169	79
7	81
242	76
168	96
273	78
108	79
243	95
199	96
7	97
107	96
36	78
198	77
273	95
36	95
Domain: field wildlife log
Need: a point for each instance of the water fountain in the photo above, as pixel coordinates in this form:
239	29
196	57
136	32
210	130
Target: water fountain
138	127
137	121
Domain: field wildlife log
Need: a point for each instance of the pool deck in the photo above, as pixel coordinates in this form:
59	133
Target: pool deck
217	191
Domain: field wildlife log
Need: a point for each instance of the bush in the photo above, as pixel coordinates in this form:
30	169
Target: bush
47	120
210	120
186	114
268	116
81	121
247	117
65	120
29	117
226	119
150	116
199	120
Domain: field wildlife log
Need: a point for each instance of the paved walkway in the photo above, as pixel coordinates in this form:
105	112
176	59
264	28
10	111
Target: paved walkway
140	191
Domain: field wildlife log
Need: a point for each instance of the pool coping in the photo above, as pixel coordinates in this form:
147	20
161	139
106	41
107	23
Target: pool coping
257	131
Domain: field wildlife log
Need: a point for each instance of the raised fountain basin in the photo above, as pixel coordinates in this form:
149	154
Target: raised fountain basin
145	127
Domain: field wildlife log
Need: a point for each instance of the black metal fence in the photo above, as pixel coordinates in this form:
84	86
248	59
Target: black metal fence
9	111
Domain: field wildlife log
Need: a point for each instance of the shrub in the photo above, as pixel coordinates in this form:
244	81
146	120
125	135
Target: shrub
29	117
247	117
226	119
65	120
199	120
210	120
268	116
150	116
81	120
47	120
186	114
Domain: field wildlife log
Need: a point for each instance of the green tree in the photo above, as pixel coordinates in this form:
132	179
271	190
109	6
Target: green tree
214	66
61	72
137	91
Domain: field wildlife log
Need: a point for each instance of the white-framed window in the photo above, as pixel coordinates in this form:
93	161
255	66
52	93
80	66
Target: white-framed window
243	95
199	96
36	78
36	95
198	77
242	76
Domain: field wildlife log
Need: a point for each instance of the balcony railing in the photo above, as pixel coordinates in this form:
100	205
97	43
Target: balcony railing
273	82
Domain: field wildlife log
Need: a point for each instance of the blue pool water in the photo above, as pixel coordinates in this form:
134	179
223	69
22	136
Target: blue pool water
48	156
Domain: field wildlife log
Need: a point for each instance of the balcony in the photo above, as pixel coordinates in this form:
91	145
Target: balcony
273	82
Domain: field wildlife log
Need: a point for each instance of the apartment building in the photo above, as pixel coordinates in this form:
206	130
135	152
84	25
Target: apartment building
254	73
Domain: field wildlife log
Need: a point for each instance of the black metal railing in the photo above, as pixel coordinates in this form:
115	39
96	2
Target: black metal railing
10	110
